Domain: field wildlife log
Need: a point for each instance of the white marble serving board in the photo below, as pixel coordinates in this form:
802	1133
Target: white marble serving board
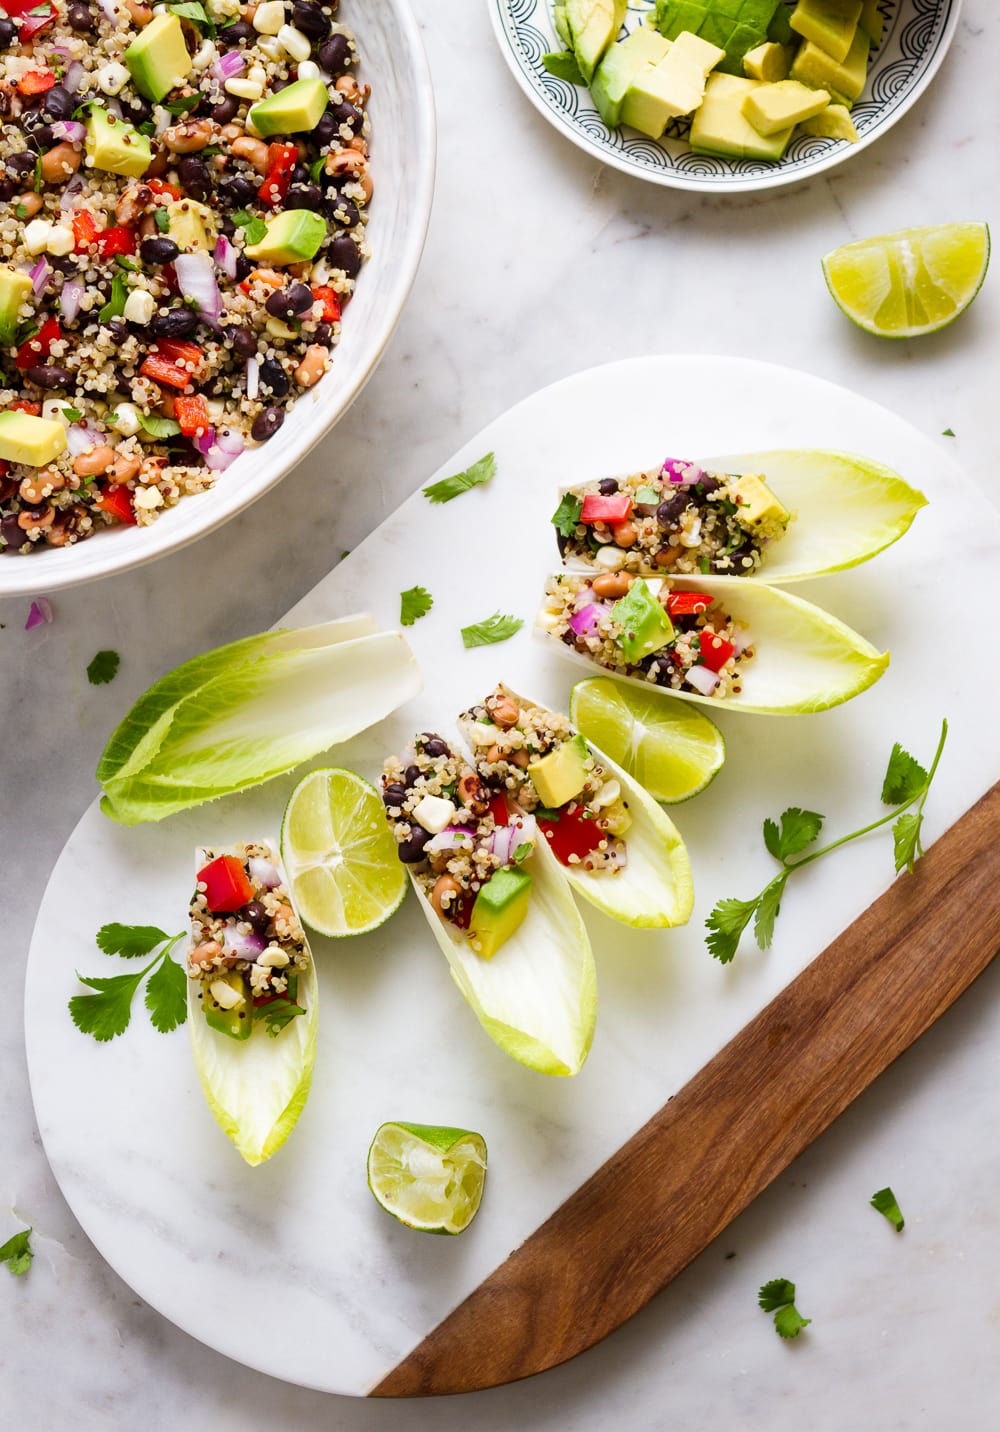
291	1268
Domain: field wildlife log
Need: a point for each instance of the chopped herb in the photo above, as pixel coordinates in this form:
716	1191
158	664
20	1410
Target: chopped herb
460	482
107	1013
947	433
72	415
346	553
885	1202
25	331
778	1297
194	10
522	851
148	128
316	168
130	941
254	231
39	180
495	628
16	1253
906	783
275	1014
128	264
414	603
566	517
704	566
161	219
563	64
158	427
209	151
115	306
103	668
21	211
241	218
182	103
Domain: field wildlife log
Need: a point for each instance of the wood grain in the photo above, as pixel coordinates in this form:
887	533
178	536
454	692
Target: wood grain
662	1198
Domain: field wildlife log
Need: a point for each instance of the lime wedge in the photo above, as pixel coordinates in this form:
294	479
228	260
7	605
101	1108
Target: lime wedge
340	855
912	282
671	748
428	1177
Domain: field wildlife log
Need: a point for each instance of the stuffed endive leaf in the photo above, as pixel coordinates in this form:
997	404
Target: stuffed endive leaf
724	642
615	845
253	1000
498	905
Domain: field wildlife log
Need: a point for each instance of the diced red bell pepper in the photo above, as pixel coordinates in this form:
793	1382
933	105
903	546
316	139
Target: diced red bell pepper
116	240
25	405
161	371
498	810
160	186
572	834
282	159
85	230
16	8
610	510
192	414
117	503
178	350
36	349
688	604
36	81
330	301
227	885
715	650
32	25
4	467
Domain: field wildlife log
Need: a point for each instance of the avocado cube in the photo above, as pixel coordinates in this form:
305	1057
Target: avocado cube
758	505
645	626
236	1020
32	441
115	145
189	223
720	127
499	909
562	26
673	19
620	66
158	58
593	25
830	24
773	107
298	107
872	22
672	88
562	774
717	30
834	122
15	288
814	67
767	62
293	236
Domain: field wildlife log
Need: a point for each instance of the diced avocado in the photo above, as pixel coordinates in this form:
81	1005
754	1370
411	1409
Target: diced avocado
562	774
500	908
620	66
189	223
158	58
293	236
815	67
830	24
767	62
562	25
33	441
236	1022
15	287
872	22
774	107
672	88
780	29
834	122
297	107
593	26
720	127
115	145
645	626
735	26
758	506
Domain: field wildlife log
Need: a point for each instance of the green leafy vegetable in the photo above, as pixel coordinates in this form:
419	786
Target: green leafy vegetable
16	1253
107	1013
166	996
276	1014
161	218
115	306
182	103
194	10
947	433
885	1202
254	231
72	415
158	427
130	941
566	517
789	1322
906	784
103	668
415	602
563	64
778	1297
460	482
21	210
495	628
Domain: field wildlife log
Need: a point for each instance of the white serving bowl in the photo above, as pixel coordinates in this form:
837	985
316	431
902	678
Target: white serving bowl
403	154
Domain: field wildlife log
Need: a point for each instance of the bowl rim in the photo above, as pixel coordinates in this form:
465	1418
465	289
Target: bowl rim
776	178
56	570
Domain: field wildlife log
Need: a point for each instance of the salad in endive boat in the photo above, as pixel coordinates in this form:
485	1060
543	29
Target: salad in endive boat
252	996
618	848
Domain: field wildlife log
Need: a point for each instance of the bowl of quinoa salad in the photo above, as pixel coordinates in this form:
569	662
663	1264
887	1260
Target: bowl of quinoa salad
212	216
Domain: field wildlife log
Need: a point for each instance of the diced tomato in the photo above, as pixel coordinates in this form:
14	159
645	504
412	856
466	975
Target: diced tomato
32	25
162	371
331	303
85	229
25	405
36	81
36	349
686	604
227	885
192	414
498	810
160	186
715	650
572	834
178	350
611	510
117	503
116	240
281	160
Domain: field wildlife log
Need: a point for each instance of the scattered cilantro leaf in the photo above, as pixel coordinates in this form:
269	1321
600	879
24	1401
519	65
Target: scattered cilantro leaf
566	517
904	777
130	941
105	1014
162	219
496	628
254	231
124	261
166	996
885	1202
789	1322
21	210
726	924
194	10
103	668
563	64
276	1014
768	910
799	828
39	183
182	103
16	1253
947	433
776	1294
460	482
522	851
115	306
241	218
414	603
158	427
72	415
906	842
316	168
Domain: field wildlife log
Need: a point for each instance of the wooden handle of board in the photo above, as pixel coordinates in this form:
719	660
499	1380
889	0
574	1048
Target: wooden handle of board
677	1183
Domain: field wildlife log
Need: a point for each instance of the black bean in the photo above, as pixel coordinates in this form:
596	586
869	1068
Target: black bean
118	329
244	267
49	375
322	334
343	253
22	163
325	131
158	250
7	192
304	196
177	323
411	852
267	423
194	176
671	508
225	110
394	794
432	744
13	538
44	135
411	775
232	35
7	32
136	109
607	486
256	916
290	301
300	174
274	377
243	341
336	207
80	18
709	484
335	55
58	103
310	20
236	192
345	113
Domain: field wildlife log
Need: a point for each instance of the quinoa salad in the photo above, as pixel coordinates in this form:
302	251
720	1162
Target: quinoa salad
454	833
247	949
647	628
184	198
677	518
545	767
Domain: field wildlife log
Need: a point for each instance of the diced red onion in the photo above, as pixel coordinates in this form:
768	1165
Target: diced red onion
39	613
73	78
229	65
219	449
40	275
253	377
584	621
679	470
246	947
70	300
110	9
453	837
196	280
702	679
70	129
741	640
81	438
506	838
265	872
68	195
226	256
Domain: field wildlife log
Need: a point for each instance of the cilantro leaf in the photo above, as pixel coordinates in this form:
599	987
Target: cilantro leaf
103	668
768	910
460	482
106	1014
276	1014
194	10
183	102
415	602
16	1252
166	996
566	517
158	427
495	628
789	1322
162	219
799	828
115	306
563	64
522	851
130	941
905	778
254	231
947	433
776	1294
726	924
906	841
72	415
884	1200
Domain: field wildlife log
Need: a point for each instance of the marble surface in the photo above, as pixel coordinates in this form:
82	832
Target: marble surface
905	1329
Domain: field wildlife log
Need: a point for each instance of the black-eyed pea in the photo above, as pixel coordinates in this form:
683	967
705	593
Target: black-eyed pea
520	759
41	484
28	205
31	522
625	534
444	895
93	463
123	469
57	164
493	755
612	585
313	366
503	711
254	151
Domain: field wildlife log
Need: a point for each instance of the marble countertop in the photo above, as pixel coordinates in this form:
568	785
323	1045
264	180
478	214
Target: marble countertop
540	262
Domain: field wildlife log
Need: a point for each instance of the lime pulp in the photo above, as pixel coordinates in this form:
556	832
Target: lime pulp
428	1177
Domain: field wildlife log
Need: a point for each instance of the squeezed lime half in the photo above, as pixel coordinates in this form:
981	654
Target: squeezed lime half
429	1177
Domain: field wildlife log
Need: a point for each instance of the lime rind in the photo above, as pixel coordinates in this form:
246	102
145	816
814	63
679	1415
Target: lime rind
428	1177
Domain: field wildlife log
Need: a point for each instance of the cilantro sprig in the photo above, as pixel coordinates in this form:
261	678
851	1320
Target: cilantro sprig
906	786
103	668
496	628
414	603
778	1297
884	1202
566	517
460	482
16	1254
107	1013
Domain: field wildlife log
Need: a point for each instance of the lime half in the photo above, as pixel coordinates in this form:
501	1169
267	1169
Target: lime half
340	855
671	748
912	282
428	1177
